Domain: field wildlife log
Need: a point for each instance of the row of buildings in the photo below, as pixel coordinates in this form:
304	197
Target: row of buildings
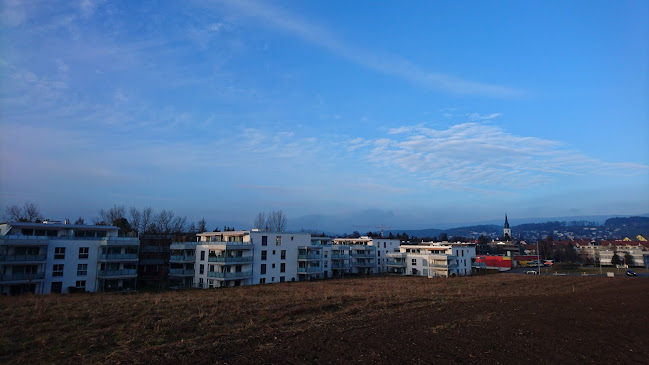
55	257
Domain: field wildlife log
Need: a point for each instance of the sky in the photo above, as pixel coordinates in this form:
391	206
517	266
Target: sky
339	113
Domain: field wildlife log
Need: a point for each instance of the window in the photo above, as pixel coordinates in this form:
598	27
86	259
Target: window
263	269
282	267
384	244
202	256
325	264
57	287
273	266
273	252
82	269
212	268
200	282
325	254
81	284
59	253
378	253
414	261
283	254
264	254
278	240
462	253
57	270
272	279
202	268
291	238
83	252
262	281
282	279
264	240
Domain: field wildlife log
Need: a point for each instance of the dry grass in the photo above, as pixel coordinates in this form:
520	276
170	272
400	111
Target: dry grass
177	326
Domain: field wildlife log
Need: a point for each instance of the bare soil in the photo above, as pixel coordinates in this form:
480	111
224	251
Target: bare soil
489	319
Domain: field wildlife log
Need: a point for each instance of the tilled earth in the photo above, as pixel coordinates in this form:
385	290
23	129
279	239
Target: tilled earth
500	318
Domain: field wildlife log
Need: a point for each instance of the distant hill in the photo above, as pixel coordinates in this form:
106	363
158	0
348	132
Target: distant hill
629	227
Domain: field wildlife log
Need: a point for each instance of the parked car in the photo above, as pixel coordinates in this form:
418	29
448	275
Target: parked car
630	273
531	272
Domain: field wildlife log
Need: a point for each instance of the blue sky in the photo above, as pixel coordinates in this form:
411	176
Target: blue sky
358	112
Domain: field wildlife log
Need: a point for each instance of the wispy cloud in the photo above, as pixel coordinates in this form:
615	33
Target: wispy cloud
475	116
481	157
390	64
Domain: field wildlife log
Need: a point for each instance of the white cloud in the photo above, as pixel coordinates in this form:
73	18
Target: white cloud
480	157
385	63
475	116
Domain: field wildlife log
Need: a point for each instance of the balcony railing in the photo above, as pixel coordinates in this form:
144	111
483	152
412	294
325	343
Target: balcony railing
182	272
339	257
22	258
363	263
229	275
22	276
362	255
338	267
118	256
309	269
182	258
122	272
309	257
396	263
233	259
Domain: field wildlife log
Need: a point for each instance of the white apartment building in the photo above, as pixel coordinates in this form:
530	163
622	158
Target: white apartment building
362	255
52	257
432	259
234	258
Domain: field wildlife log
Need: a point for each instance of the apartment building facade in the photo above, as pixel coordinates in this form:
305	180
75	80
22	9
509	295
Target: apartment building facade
433	260
363	255
55	257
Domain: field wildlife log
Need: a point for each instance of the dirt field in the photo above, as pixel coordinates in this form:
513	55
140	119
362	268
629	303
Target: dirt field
490	319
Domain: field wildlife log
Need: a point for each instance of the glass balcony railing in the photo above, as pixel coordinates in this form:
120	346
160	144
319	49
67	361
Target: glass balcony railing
118	256
22	276
309	257
227	259
229	275
22	258
309	269
121	272
396	263
340	256
181	258
182	272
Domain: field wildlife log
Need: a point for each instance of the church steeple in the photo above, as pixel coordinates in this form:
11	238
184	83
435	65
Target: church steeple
506	222
507	232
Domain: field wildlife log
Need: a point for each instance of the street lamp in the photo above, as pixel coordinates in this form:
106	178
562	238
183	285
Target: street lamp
538	257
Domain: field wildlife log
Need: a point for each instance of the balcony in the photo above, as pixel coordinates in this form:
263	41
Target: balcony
181	258
392	263
363	263
22	258
229	275
312	269
309	257
22	276
228	245
228	260
118	257
363	255
396	255
117	273
339	257
336	266
181	272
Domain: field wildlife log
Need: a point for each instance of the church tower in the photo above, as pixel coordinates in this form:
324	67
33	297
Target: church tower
507	231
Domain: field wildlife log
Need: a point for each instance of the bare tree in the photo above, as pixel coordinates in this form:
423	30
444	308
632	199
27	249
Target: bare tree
146	223
202	225
111	216
276	221
80	221
28	213
31	212
260	221
136	219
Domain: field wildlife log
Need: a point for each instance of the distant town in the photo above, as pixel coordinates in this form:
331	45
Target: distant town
159	250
